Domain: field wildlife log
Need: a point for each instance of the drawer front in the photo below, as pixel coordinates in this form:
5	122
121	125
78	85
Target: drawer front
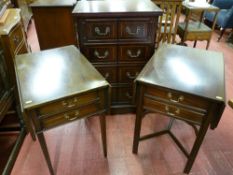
173	110
114	94
176	97
127	74
134	53
23	49
103	53
68	103
59	119
110	73
135	29
95	30
125	95
16	38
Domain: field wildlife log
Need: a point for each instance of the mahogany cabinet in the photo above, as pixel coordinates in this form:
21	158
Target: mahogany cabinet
54	23
118	38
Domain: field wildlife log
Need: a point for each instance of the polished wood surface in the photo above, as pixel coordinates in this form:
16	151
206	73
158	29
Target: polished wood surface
59	73
185	84
186	66
13	18
116	8
118	38
59	86
54	23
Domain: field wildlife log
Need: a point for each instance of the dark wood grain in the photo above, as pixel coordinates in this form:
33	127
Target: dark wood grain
117	35
54	23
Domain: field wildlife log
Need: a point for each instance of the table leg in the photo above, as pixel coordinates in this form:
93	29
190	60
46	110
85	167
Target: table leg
44	148
196	147
137	131
103	133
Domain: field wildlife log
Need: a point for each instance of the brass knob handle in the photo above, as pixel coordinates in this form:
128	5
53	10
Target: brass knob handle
76	114
106	53
16	39
130	54
128	74
179	99
98	32
167	109
130	32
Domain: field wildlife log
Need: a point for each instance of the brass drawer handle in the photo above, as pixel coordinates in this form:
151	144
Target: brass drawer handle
128	74
98	32
130	54
128	95
70	104
16	39
76	114
106	76
106	53
180	98
128	30
167	109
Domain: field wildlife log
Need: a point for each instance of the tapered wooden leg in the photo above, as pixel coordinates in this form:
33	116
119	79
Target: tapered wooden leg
195	43
44	148
103	134
196	147
208	44
137	131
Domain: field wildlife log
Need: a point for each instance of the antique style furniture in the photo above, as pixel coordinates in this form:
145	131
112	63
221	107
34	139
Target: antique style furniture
10	124
169	21
54	23
13	40
185	84
58	86
117	37
194	30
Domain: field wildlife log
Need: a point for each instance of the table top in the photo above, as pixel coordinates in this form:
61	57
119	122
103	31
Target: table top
194	71
12	19
53	3
199	6
53	74
116	7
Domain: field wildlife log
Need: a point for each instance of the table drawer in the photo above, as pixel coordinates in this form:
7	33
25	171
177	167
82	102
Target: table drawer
59	119
177	97
16	38
134	53
135	29
128	74
109	72
100	53
173	110
94	30
68	103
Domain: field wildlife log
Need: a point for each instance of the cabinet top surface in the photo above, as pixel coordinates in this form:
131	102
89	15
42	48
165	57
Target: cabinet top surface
13	18
116	7
189	70
52	3
54	74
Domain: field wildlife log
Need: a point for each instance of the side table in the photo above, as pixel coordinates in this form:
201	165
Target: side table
59	86
185	84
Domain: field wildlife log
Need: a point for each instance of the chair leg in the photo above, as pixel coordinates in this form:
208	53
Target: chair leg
208	44
195	43
221	34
